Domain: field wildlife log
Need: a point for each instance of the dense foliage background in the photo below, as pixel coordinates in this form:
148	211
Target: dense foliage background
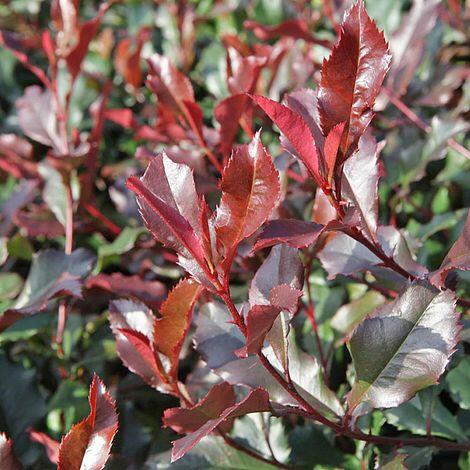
113	126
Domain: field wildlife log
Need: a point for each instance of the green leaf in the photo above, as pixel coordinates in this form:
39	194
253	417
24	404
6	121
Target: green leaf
217	340
52	273
350	315
211	453
411	417
20	247
122	244
19	391
70	402
458	380
311	447
10	285
410	341
54	192
262	433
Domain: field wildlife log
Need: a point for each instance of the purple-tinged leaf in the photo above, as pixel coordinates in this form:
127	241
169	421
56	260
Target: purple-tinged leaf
218	341
408	42
410	341
88	443
53	273
37	118
360	184
293	232
250	189
186	420
259	320
352	76
170	85
150	292
344	255
257	400
281	268
22	195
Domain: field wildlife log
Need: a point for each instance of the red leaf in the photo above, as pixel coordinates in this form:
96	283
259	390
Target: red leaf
87	32
176	312
39	221
256	401
51	446
122	116
149	292
331	148
88	443
228	113
352	76
127	58
295	28
250	189
293	232
457	258
8	460
133	326
244	72
285	297
259	321
186	420
170	85
296	130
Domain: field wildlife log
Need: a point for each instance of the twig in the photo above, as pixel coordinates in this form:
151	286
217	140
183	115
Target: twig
415	119
312	318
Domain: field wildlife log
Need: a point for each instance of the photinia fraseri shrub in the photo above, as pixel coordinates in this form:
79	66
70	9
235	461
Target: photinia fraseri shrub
296	297
397	350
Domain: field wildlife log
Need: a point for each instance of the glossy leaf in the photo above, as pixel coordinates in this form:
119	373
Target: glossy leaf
250	189
218	341
281	268
360	184
88	443
256	400
210	453
292	232
186	420
175	319
410	339
352	76
169	205
133	326
296	130
52	274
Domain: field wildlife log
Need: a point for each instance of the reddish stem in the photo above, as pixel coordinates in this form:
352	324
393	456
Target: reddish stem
415	119
97	214
311	315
